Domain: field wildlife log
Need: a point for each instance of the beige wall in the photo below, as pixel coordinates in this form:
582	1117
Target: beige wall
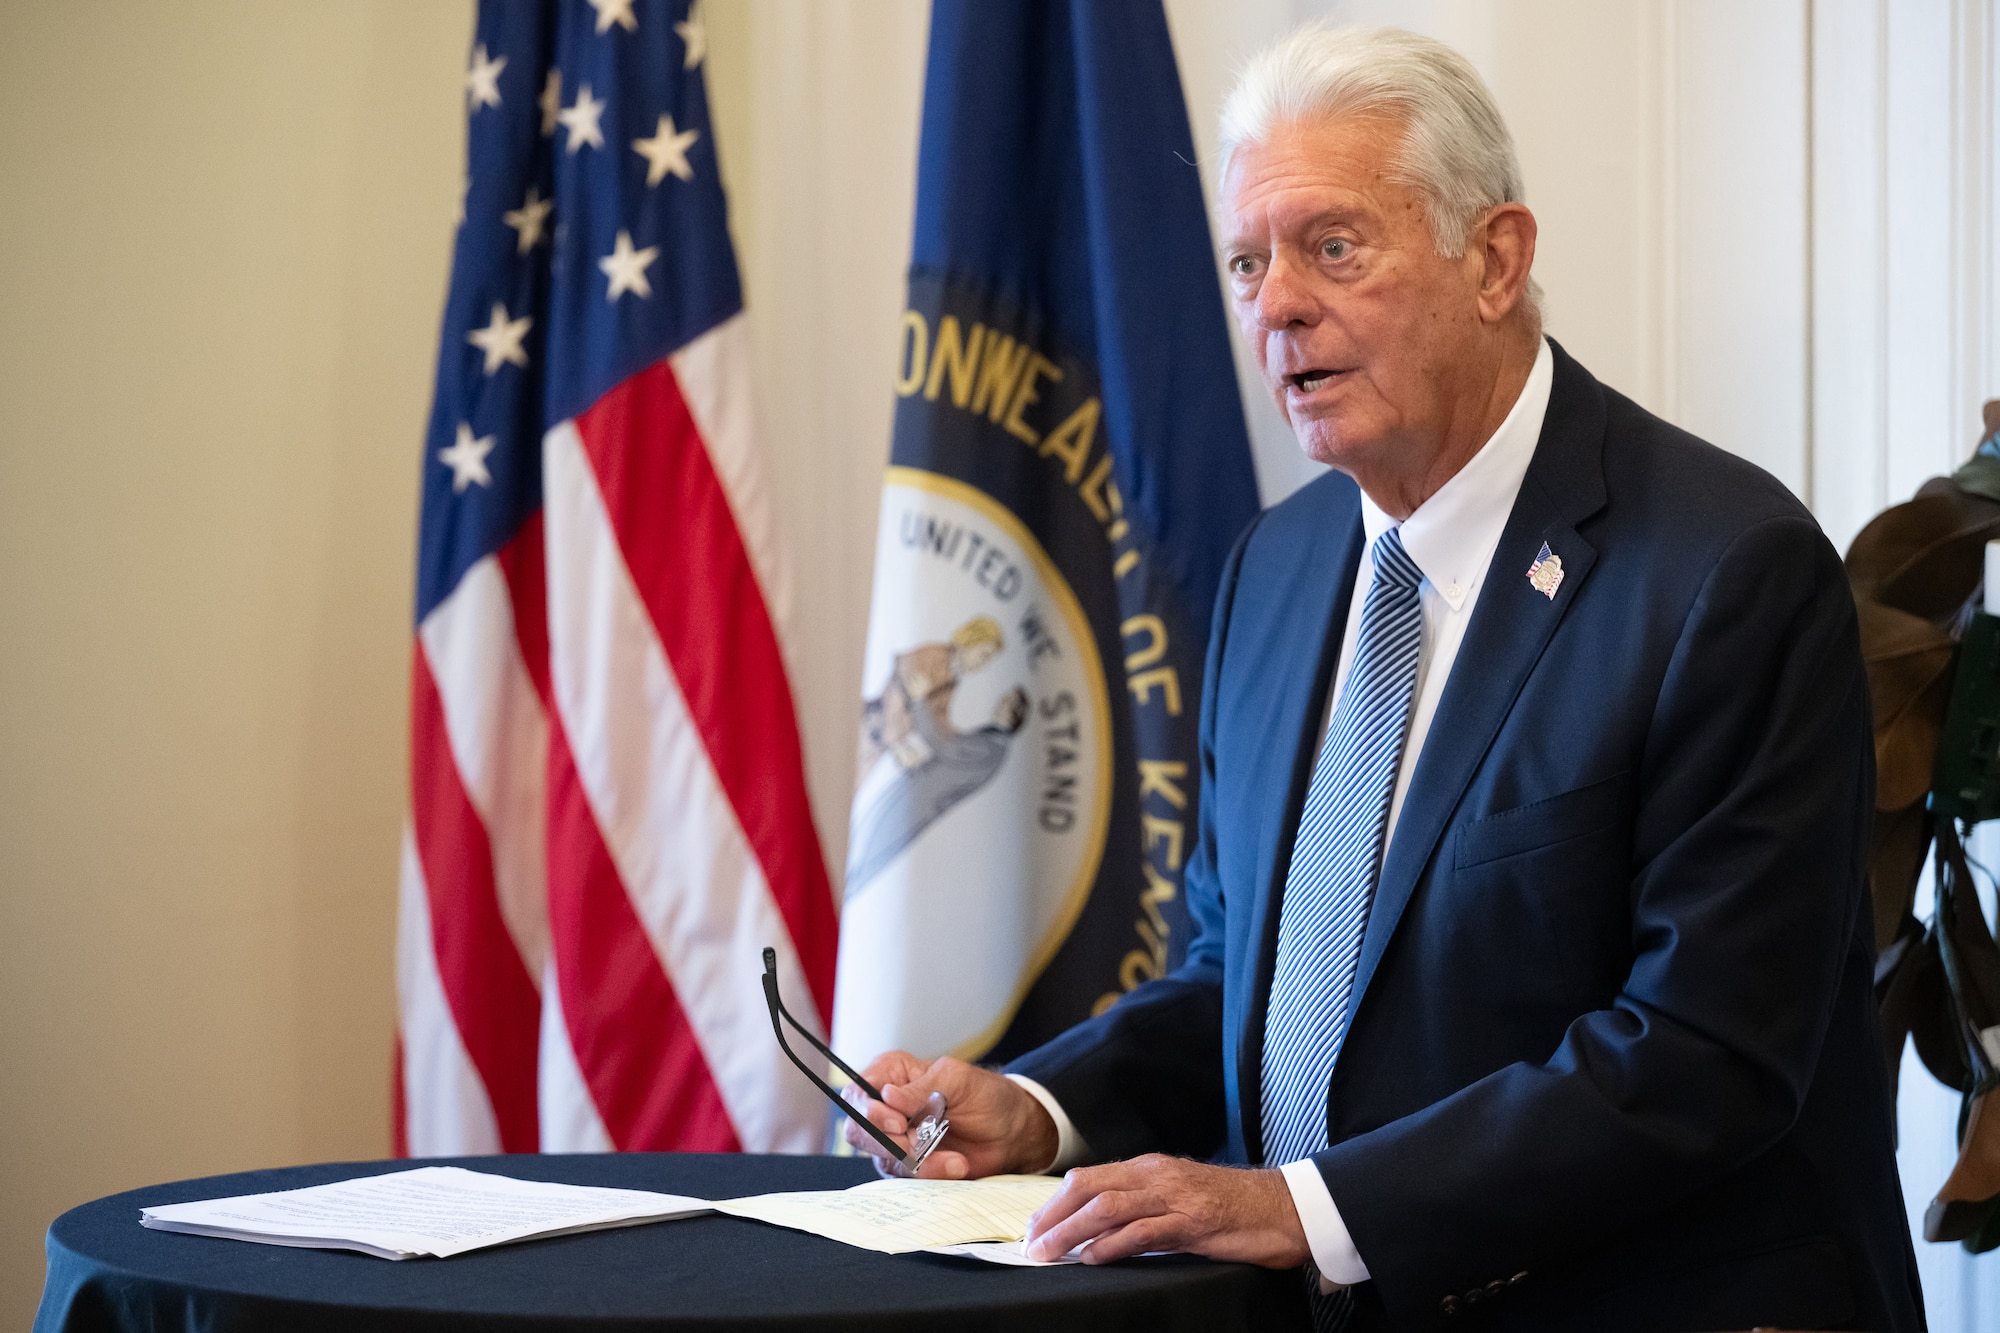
227	232
224	230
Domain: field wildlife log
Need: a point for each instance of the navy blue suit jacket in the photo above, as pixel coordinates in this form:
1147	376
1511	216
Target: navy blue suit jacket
1613	1057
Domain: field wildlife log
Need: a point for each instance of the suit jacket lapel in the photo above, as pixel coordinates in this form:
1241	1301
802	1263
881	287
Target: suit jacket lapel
1511	624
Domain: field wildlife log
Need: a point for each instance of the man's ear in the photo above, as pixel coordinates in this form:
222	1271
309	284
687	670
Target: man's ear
1504	241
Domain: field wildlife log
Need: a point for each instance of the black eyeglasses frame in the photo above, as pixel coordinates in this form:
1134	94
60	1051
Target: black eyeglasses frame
778	1010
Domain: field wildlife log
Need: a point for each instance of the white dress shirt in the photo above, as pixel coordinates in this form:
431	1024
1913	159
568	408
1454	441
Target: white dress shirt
1451	537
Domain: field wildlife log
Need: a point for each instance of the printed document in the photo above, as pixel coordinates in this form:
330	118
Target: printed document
427	1211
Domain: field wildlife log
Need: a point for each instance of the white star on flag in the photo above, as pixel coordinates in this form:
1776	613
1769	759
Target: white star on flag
482	81
527	220
501	339
466	458
551	102
581	120
694	34
614	11
666	151
626	267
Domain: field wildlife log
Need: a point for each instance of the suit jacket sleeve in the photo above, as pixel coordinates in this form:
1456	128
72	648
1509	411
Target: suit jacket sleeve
1754	793
1147	1074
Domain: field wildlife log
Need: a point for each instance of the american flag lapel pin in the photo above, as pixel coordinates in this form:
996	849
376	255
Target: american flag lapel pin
1546	574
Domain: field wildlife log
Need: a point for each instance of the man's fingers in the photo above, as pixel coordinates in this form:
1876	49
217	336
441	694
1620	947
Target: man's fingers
1071	1196
886	1118
1162	1203
1079	1187
1144	1236
942	1165
908	1102
893	1067
1085	1224
862	1141
1102	1214
939	1165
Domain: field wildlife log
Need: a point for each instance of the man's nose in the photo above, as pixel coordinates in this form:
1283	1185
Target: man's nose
1283	297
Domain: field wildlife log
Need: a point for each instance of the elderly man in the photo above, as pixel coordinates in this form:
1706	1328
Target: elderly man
1531	987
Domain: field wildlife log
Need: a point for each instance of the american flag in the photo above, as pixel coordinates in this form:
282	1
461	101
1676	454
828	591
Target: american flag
608	814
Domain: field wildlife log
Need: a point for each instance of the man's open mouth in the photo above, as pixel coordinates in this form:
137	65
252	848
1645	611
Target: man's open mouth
1306	381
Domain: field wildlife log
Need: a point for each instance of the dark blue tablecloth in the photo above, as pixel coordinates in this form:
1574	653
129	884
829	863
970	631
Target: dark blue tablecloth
106	1272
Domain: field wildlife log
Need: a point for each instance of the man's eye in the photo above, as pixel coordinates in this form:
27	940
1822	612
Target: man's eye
1336	249
1242	266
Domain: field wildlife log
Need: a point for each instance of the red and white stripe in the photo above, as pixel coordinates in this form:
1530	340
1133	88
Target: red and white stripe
609	812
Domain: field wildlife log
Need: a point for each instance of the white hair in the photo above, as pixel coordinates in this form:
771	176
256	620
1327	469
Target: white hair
1456	151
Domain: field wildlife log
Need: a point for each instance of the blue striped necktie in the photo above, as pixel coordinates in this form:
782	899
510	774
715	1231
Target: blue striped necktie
1336	860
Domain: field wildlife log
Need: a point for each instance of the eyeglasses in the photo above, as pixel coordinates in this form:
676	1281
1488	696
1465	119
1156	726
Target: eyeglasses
929	1131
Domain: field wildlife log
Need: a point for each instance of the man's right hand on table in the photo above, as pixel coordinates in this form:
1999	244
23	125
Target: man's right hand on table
997	1127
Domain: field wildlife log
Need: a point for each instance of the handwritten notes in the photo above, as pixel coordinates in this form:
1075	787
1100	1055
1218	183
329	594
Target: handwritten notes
899	1216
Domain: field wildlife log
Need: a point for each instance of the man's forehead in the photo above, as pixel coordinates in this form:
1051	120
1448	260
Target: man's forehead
1369	137
1338	166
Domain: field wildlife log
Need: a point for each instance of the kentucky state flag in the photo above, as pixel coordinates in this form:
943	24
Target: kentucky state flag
1068	471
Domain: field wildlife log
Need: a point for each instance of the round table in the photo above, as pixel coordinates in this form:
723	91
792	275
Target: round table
106	1272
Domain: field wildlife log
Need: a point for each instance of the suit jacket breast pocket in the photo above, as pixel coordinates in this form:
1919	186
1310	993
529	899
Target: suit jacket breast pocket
1552	878
1574	814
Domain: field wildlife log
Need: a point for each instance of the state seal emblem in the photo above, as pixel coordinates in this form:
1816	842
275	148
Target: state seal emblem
983	763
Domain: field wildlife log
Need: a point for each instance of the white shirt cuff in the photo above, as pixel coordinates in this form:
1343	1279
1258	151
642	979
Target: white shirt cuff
1333	1251
1071	1150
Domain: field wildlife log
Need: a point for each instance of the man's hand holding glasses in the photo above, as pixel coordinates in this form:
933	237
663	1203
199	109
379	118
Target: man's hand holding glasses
896	1108
997	1128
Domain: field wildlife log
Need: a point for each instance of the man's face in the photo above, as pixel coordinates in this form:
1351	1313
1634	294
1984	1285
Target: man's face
1365	334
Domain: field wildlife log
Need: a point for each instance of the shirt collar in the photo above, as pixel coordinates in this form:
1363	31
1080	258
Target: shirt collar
1451	536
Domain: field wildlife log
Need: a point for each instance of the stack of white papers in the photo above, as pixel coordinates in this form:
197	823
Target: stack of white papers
429	1210
440	1211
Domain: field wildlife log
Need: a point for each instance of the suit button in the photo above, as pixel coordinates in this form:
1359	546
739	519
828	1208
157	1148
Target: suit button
1475	1296
1449	1305
1516	1279
1495	1287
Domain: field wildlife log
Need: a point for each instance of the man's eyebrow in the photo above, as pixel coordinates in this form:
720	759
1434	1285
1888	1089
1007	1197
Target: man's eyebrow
1338	213
1333	216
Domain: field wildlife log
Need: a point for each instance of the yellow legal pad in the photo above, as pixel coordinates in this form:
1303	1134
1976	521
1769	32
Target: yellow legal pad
900	1216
